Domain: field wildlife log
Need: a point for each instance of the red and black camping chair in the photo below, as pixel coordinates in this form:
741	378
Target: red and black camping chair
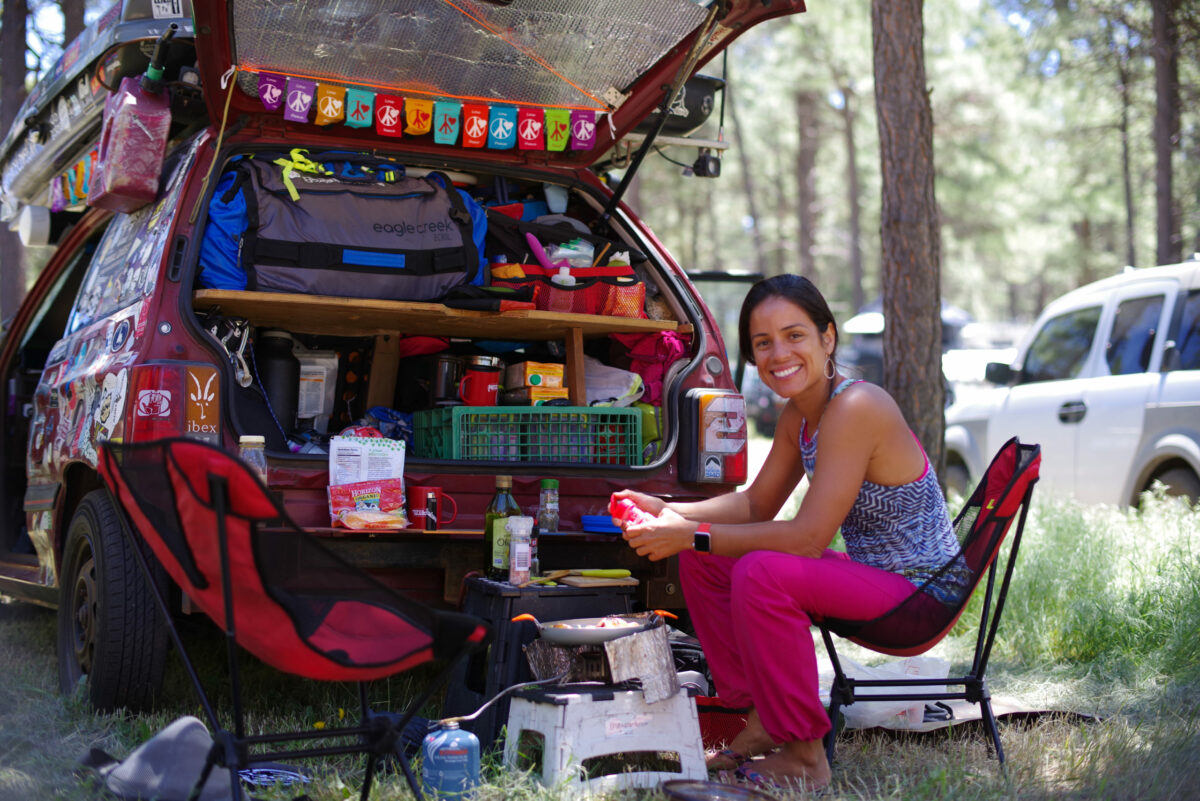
279	594
920	621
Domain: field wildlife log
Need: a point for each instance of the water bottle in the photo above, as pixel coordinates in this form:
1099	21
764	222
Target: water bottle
253	454
450	761
279	370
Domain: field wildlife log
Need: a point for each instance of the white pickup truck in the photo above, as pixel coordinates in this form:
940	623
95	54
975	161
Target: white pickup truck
1107	382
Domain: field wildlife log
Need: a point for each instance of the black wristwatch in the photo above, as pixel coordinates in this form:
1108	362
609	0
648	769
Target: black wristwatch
702	539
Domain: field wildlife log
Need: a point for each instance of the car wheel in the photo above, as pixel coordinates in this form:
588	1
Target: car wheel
1180	483
958	480
109	626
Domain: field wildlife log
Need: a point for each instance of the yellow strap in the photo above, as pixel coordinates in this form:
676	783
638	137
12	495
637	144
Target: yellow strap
297	160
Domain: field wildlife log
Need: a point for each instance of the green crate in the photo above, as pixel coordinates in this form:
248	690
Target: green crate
543	434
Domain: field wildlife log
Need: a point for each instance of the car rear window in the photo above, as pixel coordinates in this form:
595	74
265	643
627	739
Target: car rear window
1133	332
1187	338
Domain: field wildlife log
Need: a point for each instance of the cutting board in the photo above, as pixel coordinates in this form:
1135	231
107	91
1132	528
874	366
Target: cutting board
590	581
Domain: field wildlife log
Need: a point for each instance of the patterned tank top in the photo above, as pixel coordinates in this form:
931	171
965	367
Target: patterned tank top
902	529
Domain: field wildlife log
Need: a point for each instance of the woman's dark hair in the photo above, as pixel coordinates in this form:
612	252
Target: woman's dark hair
794	288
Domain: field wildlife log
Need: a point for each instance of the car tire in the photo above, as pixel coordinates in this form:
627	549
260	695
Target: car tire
1180	483
109	626
958	480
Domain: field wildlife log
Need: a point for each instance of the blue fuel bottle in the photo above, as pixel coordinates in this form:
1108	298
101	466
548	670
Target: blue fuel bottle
450	761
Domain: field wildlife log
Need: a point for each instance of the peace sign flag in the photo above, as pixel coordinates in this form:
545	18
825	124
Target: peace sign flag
558	128
300	92
331	103
271	90
474	125
502	128
447	117
583	129
419	114
360	107
531	124
388	114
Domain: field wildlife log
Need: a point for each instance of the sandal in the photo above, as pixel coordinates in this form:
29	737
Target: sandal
736	760
745	774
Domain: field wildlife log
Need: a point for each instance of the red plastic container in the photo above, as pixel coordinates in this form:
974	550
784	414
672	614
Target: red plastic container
132	143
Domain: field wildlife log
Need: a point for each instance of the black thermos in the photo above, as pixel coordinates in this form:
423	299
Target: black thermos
279	370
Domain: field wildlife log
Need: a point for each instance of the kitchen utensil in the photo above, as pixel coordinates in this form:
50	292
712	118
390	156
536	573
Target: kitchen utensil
592	630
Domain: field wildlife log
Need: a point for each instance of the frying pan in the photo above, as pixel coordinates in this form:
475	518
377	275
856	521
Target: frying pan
589	631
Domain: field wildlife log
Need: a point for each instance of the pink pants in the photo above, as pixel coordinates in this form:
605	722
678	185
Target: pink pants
752	617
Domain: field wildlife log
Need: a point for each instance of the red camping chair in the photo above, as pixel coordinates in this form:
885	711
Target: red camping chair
279	594
920	621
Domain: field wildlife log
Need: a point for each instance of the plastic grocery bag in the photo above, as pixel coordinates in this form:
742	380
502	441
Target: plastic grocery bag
864	714
610	386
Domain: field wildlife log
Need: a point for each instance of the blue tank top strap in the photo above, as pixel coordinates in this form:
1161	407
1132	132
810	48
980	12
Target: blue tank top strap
849	382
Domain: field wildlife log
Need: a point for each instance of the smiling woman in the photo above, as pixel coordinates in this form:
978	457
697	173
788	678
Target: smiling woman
869	478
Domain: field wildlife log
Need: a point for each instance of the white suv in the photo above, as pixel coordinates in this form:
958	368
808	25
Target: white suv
1108	382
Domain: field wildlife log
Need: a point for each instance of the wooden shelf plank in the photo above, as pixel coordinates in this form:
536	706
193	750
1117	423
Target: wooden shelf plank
320	314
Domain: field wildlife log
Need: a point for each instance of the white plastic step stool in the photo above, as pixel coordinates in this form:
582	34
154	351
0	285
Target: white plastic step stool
593	739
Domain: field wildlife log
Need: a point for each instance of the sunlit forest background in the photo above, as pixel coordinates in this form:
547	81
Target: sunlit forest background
1040	107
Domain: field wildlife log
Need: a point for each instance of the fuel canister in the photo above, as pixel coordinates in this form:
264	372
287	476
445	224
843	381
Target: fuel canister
450	761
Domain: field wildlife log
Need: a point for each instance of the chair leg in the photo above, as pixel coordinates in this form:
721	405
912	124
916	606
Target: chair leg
408	774
369	778
835	717
989	720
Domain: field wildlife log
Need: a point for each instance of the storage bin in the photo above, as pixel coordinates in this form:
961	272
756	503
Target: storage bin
542	434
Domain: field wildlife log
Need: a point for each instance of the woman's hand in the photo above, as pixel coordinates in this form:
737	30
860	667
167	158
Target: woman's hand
664	536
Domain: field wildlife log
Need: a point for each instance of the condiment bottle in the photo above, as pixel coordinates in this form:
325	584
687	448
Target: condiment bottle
547	519
520	534
495	532
253	454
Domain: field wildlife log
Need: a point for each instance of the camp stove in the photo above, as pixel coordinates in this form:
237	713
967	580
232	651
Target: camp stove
616	720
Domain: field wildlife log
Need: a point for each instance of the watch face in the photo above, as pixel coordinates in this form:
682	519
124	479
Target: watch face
700	541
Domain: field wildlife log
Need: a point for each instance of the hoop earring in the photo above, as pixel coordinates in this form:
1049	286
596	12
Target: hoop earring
830	369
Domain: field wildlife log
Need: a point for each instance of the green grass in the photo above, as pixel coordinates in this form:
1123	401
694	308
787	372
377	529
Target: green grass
1103	619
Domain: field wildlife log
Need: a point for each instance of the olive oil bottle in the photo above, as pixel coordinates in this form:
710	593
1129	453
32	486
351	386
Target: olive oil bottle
495	534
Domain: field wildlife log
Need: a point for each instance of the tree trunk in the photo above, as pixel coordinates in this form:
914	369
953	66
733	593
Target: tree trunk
807	110
1166	128
853	192
741	145
911	247
72	11
12	94
1127	170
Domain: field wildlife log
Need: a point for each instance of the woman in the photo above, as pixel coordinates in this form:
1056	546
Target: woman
752	595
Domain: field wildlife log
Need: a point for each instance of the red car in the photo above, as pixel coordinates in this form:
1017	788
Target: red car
132	332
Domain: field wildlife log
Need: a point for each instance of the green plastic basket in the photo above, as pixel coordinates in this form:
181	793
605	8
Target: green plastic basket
542	434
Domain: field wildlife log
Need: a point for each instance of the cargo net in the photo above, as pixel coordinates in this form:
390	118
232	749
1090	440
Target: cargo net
586	435
548	53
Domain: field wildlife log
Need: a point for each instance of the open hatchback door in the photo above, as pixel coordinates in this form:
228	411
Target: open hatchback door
591	70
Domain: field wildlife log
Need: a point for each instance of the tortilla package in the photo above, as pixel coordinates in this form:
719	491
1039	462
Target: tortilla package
368	505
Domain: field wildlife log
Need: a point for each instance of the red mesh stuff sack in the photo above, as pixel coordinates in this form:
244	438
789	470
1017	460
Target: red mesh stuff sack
613	290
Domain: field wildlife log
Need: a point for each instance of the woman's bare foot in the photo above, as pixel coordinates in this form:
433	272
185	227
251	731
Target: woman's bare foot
801	763
750	741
